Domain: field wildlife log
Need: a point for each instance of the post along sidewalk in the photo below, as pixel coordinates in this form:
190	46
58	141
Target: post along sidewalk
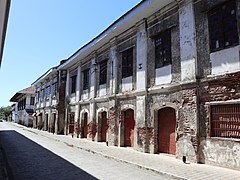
159	163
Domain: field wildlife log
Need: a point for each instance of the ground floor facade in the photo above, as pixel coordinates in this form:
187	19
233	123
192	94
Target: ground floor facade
176	120
198	121
50	120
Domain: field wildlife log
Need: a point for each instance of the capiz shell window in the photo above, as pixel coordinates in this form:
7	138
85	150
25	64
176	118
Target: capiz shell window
225	121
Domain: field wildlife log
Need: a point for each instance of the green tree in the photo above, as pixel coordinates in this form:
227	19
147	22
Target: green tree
5	112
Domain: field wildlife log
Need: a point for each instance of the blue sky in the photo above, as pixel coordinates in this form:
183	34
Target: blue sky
42	32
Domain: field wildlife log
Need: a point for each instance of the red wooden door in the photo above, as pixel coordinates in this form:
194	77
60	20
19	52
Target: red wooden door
71	123
129	128
85	128
166	131
104	127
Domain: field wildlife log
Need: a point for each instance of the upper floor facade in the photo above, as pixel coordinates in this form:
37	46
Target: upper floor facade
47	89
156	46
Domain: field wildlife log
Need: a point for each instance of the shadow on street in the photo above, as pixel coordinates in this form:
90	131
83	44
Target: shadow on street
28	160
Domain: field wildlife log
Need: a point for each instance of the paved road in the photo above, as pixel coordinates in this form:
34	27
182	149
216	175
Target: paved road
36	157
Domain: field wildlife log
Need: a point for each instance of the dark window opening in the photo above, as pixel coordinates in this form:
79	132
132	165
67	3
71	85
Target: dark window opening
73	84
222	24
54	88
127	63
163	54
48	91
32	100
85	79
103	73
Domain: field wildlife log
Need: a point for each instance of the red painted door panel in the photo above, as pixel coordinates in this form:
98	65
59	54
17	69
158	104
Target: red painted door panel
85	128
129	128
104	127
166	131
71	123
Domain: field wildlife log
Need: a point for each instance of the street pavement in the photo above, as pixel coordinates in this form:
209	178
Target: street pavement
34	156
142	165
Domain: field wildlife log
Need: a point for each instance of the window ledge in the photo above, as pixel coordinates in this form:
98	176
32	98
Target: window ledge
223	139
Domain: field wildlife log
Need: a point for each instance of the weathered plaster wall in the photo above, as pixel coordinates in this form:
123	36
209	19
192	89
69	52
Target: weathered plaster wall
218	151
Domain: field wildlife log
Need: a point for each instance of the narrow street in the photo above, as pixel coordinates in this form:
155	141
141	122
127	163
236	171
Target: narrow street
31	156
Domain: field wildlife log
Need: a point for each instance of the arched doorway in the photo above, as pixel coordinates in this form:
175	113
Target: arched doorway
167	130
84	125
129	124
104	126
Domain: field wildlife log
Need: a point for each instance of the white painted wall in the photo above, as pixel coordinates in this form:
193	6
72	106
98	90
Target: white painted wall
78	84
92	79
113	72
226	60
127	84
141	59
54	102
188	51
67	83
163	75
85	94
103	90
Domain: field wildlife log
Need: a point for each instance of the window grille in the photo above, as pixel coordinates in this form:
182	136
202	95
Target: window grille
127	63
103	73
225	121
32	100
163	54
73	84
85	79
222	24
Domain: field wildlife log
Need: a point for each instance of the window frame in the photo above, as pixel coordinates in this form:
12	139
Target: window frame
86	77
103	68
127	62
164	48
225	121
220	29
32	101
73	84
54	88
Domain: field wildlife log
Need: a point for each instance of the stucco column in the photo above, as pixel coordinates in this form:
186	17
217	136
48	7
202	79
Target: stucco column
93	70
67	99
78	84
187	144
141	56
51	92
188	52
78	98
113	67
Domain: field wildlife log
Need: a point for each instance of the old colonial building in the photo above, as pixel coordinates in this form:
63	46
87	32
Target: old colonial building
24	106
163	78
50	101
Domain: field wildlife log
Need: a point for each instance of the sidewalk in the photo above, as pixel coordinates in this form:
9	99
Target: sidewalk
158	163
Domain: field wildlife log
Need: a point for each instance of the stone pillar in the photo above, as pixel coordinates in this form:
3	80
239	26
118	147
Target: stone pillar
92	110
113	67
78	98
141	54
78	83
188	52
140	128
93	70
92	128
67	103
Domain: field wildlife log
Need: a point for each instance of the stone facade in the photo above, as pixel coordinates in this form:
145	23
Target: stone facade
50	101
158	108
